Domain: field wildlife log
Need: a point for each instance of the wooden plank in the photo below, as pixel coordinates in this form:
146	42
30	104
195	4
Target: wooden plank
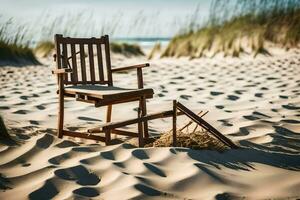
123	132
140	78
108	113
92	40
61	71
140	128
107	136
174	123
65	60
91	60
100	62
82	63
144	113
60	118
114	125
108	62
58	51
74	76
83	135
140	66
89	82
206	126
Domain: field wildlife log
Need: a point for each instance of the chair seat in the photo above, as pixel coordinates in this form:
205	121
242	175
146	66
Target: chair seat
107	92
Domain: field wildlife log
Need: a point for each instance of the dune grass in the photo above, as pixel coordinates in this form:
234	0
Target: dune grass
126	49
236	27
155	50
13	49
44	48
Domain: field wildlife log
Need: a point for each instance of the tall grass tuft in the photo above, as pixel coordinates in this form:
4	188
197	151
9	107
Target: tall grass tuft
236	27
13	49
44	48
126	49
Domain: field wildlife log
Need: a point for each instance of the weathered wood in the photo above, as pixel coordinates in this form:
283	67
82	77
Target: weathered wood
65	60
60	106
108	62
100	62
206	126
94	95
62	71
114	125
83	135
70	40
140	128
140	78
60	119
144	113
58	51
82	63
174	122
123	132
91	60
130	67
87	83
108	113
107	137
74	76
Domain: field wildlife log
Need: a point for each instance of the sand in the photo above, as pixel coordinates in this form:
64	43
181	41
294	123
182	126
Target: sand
254	102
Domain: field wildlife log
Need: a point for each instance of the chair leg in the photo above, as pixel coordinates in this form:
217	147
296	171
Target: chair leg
144	112
107	137
108	113
140	128
60	115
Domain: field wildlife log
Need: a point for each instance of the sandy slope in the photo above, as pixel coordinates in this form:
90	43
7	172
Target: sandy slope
255	102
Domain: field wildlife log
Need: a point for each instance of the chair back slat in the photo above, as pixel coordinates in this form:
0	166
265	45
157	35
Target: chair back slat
65	60
91	62
82	63
108	63
78	54
100	62
74	75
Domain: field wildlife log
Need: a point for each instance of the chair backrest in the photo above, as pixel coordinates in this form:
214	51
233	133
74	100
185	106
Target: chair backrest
89	59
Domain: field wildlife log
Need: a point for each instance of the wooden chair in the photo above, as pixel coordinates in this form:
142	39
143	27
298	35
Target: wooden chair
84	72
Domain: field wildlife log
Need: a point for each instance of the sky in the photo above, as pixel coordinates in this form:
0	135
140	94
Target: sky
120	18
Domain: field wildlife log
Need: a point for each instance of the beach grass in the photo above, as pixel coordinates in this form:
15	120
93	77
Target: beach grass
44	48
236	27
126	49
13	48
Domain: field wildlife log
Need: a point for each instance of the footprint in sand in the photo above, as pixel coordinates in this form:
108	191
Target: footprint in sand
258	95
251	117
79	174
87	192
219	106
40	107
233	97
22	112
291	107
186	97
216	93
33	122
4	108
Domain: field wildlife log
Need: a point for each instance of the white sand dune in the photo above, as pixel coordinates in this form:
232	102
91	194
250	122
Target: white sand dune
255	102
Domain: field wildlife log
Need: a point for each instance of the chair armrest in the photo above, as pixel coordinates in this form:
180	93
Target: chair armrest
130	67
62	71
